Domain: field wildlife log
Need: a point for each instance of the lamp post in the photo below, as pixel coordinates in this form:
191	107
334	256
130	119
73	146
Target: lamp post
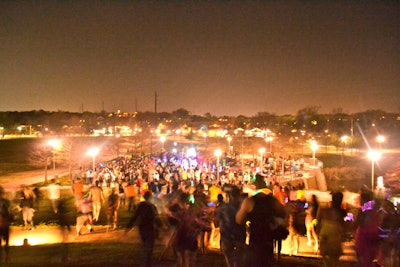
261	151
55	144
93	153
269	140
229	144
314	147
162	139
374	156
218	154
344	139
380	139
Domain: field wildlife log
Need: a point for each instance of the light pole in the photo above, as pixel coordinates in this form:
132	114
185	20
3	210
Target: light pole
374	156
314	147
93	153
380	139
218	154
55	145
269	139
162	139
261	151
229	144
344	139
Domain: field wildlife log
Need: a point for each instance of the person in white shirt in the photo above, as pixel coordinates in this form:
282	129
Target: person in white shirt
54	193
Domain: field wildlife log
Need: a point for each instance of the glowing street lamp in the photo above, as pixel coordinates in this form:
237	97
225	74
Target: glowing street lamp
93	153
373	156
218	154
55	145
261	151
380	139
314	147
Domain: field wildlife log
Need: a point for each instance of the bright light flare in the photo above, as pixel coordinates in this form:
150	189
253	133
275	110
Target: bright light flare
93	151
374	155
54	143
218	153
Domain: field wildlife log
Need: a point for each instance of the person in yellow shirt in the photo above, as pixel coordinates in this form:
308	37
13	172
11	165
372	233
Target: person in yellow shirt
213	191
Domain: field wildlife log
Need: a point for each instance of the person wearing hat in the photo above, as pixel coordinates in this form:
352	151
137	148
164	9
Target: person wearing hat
260	210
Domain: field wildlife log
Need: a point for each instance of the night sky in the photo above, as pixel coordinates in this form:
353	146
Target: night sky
222	57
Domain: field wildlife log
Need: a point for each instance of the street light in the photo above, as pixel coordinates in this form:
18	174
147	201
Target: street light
93	153
314	147
269	139
218	154
344	139
55	145
162	139
380	139
374	156
229	143
261	151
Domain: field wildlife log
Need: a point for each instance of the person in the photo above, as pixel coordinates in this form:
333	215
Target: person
6	218
65	228
77	189
54	194
146	215
121	192
97	197
130	195
279	194
38	196
27	207
84	215
260	210
367	230
189	224
113	207
310	221
331	230
233	235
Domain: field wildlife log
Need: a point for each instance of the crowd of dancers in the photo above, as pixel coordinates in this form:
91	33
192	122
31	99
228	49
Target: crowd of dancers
246	218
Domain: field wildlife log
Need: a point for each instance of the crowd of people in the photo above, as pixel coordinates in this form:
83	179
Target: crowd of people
246	218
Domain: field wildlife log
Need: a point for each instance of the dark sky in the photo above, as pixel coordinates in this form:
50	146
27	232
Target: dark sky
222	57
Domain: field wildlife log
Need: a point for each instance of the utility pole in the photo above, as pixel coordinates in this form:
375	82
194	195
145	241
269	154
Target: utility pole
155	102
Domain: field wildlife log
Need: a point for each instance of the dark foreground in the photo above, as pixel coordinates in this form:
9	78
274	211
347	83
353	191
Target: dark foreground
121	254
111	248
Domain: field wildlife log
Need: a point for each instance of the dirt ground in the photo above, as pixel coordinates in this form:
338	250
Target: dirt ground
162	257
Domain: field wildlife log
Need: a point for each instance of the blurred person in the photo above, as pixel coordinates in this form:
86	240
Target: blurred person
367	230
6	217
38	197
84	215
213	191
65	228
77	189
54	194
27	207
331	230
97	197
131	194
233	235
146	216
311	221
260	210
112	208
189	224
121	192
